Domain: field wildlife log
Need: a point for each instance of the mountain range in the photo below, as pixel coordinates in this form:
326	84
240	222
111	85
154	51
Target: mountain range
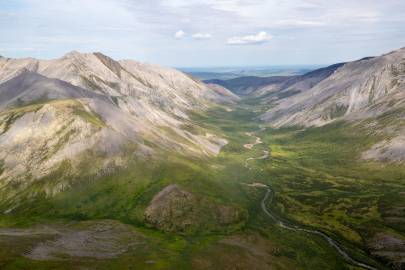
108	164
369	91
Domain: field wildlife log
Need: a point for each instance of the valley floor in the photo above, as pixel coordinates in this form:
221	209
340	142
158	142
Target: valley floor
320	184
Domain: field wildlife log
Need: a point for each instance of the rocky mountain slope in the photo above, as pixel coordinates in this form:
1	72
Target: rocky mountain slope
29	87
370	89
88	105
354	88
230	96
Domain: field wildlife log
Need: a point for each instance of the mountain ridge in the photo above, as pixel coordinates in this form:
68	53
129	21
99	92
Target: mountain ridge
369	92
374	76
89	103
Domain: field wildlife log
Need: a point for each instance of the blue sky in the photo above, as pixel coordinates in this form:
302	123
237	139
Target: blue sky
201	33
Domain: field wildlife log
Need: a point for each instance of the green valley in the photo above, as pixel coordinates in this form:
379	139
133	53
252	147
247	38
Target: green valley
316	174
118	164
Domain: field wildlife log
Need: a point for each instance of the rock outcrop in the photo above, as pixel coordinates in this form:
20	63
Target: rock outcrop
389	248
176	210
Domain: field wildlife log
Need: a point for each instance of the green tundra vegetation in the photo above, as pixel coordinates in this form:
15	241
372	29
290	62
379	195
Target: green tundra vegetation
317	174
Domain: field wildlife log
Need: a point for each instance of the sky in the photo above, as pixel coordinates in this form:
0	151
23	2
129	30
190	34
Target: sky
204	33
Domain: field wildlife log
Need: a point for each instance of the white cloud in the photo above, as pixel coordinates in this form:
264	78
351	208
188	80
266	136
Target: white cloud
201	36
261	37
179	34
294	22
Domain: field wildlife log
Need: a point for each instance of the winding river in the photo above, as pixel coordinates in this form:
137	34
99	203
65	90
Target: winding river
268	198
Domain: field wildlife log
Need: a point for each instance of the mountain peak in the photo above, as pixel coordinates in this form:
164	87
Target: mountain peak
101	54
73	53
110	63
104	58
